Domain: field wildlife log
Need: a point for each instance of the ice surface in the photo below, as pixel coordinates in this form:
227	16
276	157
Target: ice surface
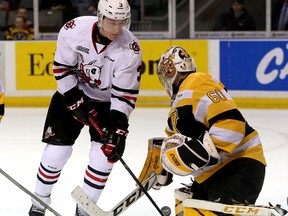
21	149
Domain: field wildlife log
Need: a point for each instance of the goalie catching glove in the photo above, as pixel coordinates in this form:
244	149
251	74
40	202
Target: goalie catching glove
182	155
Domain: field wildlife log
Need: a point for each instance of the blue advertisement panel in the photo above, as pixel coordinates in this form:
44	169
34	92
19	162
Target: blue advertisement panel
254	65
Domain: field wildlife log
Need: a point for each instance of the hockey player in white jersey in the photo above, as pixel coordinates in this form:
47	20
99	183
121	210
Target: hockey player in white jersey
97	66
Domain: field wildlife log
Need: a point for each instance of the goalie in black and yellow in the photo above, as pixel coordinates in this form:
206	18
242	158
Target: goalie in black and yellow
208	138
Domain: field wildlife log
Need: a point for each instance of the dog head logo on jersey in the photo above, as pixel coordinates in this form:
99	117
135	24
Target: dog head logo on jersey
90	74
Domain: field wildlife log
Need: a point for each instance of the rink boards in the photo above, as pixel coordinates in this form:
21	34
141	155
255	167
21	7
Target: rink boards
254	71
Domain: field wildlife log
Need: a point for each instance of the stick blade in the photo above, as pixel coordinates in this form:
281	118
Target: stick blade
86	203
92	209
235	209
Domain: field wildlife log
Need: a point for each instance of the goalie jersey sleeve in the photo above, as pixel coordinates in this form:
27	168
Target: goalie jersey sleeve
202	103
109	73
2	96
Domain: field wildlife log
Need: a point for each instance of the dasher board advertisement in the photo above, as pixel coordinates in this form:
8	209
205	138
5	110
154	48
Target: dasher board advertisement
254	65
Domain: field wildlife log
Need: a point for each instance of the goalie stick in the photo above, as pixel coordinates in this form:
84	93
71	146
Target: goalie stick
28	192
92	209
235	209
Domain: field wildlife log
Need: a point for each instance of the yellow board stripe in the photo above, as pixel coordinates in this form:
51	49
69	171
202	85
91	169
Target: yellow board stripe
154	101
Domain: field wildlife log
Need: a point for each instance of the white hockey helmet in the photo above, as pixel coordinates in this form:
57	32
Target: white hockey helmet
175	60
114	9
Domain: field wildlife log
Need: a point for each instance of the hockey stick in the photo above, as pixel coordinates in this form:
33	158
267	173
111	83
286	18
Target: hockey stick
235	209
140	184
92	209
94	124
29	193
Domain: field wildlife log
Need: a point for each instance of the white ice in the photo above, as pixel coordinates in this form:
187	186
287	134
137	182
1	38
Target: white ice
21	149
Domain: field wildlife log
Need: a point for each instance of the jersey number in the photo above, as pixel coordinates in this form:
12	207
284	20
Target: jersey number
216	96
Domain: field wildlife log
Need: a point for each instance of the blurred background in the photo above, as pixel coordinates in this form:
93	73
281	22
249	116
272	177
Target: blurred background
241	42
150	18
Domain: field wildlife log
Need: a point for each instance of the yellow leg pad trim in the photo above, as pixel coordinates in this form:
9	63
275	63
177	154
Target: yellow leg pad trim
152	162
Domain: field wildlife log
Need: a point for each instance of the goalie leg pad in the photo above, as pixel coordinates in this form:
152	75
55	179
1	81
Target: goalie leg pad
185	193
152	163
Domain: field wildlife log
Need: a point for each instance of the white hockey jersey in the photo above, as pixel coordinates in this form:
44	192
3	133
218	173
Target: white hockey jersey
105	73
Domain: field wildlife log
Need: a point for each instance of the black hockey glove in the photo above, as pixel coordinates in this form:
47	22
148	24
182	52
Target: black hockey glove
115	142
79	108
115	139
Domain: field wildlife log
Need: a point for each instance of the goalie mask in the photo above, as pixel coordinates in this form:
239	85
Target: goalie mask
174	61
115	10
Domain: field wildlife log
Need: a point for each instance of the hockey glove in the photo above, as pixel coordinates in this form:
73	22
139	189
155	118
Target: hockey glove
115	140
76	104
183	155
